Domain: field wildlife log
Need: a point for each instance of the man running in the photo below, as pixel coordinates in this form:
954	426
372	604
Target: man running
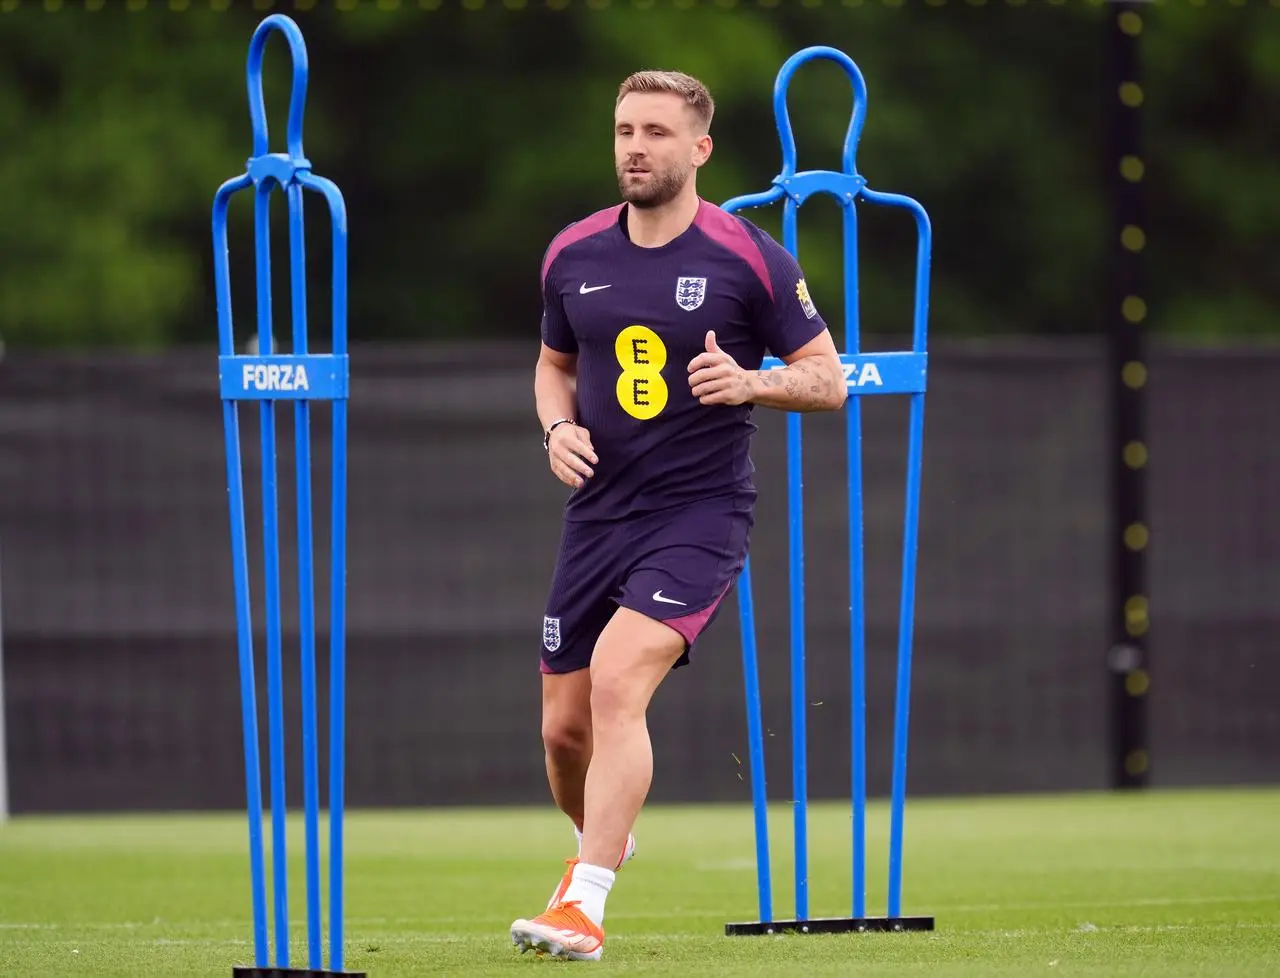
657	314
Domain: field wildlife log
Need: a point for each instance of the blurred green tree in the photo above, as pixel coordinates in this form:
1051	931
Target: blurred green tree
115	128
464	139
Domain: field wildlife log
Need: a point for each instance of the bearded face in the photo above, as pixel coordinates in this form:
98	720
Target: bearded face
643	182
657	146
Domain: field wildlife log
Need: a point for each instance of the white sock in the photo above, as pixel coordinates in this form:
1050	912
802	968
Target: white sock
590	886
578	832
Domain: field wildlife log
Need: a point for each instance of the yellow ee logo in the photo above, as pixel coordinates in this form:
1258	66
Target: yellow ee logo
641	390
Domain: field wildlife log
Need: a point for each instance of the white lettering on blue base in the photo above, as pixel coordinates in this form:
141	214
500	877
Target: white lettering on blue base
869	374
275	377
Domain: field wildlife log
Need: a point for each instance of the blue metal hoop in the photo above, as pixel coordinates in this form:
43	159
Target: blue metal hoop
297	99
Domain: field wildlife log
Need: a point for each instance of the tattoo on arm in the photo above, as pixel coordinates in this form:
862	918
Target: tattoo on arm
805	385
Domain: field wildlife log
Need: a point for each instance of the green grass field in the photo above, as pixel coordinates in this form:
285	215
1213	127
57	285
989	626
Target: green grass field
1167	883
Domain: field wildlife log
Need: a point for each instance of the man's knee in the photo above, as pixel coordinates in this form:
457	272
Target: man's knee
566	714
566	735
613	697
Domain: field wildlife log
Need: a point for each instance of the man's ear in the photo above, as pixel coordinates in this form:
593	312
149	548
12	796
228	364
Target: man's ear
702	150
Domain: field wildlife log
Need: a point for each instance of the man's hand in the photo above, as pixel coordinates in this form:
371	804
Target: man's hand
571	455
716	377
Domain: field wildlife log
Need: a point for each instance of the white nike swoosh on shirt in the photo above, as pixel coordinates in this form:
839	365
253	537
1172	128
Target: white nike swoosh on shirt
657	596
583	289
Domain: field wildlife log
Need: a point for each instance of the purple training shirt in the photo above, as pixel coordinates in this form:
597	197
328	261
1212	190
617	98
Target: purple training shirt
635	317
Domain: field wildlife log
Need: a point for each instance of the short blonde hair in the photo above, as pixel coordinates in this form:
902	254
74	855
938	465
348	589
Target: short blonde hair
693	92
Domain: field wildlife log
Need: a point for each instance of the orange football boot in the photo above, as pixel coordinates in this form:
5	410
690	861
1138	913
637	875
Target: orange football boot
563	931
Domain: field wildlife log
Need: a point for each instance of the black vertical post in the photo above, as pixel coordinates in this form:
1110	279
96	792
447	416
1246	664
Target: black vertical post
1125	316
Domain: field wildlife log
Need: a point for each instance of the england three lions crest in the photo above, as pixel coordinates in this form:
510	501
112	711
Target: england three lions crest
550	633
690	292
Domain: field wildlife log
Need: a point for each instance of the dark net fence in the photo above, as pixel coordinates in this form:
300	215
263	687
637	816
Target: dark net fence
120	671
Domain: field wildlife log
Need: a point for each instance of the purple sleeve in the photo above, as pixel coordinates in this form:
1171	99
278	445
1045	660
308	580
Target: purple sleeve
789	319
556	331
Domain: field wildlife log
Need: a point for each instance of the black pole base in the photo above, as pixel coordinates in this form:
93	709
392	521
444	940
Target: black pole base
293	973
831	925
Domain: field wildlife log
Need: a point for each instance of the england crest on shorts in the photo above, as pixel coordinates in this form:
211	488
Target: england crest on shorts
690	292
550	633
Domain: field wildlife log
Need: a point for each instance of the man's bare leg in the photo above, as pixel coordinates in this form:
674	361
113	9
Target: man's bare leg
631	658
566	738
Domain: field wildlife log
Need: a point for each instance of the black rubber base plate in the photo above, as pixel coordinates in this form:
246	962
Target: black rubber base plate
293	973
831	925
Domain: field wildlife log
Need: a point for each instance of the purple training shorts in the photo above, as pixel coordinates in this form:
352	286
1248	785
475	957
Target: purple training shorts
672	565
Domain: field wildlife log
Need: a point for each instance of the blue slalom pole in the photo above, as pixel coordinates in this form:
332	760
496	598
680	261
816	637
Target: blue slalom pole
755	742
302	377
898	373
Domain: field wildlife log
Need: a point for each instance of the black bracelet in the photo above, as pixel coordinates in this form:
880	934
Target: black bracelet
546	435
